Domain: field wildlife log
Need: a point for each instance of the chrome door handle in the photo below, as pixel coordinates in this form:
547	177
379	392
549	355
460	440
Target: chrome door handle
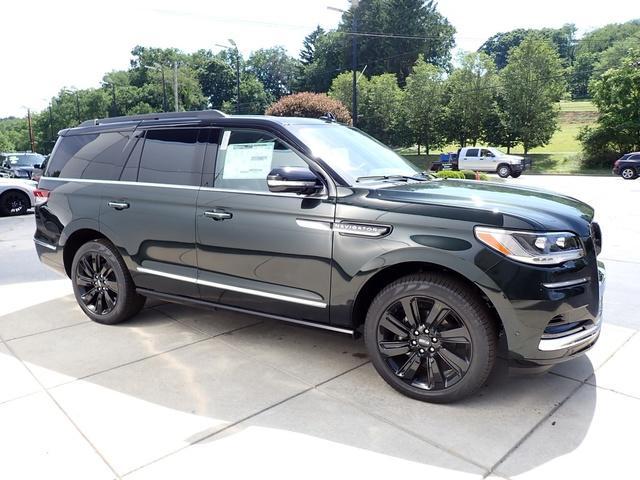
119	205
217	214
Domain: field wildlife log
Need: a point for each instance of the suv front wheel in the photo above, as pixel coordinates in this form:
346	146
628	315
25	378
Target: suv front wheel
102	283
431	338
504	171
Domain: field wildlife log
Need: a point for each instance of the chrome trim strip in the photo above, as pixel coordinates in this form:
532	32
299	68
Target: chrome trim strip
248	291
568	283
573	340
185	187
44	244
314	224
121	182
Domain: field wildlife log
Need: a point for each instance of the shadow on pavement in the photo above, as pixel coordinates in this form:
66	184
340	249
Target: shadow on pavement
176	376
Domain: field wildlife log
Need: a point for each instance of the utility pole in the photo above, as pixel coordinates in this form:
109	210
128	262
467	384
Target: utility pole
114	105
50	123
165	107
31	139
78	107
175	85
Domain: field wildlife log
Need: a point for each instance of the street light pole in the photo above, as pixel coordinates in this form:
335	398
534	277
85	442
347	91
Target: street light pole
354	58
234	46
31	139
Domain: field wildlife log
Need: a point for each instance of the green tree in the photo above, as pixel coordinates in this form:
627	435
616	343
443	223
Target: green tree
382	112
342	88
424	103
617	95
309	45
275	69
14	134
532	83
327	62
470	99
253	97
498	46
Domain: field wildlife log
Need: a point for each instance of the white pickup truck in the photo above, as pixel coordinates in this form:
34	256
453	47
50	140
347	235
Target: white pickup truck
490	159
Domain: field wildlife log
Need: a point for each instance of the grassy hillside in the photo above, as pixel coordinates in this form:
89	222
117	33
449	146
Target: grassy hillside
561	155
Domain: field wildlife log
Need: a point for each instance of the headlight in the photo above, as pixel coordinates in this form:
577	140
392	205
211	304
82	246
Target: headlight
537	248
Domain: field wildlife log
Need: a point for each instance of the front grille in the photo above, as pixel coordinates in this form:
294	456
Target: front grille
596	235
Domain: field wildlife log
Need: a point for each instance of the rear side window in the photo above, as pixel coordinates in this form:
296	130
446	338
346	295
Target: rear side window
472	152
96	156
173	156
634	157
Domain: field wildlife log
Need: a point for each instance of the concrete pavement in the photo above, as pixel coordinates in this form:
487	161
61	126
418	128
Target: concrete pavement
185	393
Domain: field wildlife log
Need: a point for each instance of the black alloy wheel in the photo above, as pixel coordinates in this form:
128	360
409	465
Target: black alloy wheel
425	343
431	337
102	283
97	283
14	202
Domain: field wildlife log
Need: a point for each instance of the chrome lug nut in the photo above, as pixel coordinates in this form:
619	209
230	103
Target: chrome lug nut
432	349
421	350
416	332
434	339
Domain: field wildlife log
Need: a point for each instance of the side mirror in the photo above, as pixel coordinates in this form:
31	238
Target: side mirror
298	180
37	165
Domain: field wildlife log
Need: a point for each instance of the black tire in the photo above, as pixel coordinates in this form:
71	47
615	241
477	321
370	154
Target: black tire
465	337
503	171
14	202
628	173
103	285
515	174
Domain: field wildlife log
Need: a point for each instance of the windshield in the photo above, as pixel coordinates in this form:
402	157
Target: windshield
28	160
352	153
497	152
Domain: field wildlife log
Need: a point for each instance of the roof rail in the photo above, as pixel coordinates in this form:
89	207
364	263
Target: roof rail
200	114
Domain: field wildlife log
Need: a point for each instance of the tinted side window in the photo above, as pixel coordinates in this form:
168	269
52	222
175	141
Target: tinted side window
472	152
172	156
634	157
245	158
95	156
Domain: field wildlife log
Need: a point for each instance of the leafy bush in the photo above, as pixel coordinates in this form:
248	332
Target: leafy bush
461	174
450	174
598	149
311	105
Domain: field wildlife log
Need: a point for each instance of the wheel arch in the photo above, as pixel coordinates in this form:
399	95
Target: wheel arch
376	282
75	240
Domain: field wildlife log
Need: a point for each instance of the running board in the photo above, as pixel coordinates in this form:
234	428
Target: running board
204	303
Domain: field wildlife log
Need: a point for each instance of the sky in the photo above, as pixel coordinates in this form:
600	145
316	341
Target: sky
47	45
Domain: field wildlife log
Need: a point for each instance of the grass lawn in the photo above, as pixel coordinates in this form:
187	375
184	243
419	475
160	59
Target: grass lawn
561	155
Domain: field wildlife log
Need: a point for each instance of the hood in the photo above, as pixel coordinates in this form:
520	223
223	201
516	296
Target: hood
509	157
536	208
23	171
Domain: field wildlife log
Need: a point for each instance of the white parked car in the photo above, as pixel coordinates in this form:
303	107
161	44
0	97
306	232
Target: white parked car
490	159
17	196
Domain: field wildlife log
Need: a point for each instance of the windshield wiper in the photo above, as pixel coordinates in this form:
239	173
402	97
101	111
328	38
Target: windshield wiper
393	177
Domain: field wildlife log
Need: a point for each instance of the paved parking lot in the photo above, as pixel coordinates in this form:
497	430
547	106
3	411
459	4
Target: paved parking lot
187	393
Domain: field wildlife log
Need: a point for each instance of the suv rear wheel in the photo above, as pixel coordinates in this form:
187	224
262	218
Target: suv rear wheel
102	283
628	173
504	171
430	338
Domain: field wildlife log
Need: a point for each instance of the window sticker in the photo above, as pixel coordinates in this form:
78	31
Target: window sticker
248	160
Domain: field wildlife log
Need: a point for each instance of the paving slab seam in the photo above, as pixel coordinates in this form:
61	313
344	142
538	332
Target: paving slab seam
147	357
86	322
492	470
403	429
628	395
196	329
244	419
602	364
66	415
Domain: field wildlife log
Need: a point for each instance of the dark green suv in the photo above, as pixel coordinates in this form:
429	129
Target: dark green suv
315	223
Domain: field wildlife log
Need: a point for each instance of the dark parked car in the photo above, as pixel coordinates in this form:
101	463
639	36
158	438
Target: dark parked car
628	166
19	164
315	223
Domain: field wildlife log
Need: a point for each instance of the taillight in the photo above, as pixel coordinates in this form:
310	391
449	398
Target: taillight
616	163
41	196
